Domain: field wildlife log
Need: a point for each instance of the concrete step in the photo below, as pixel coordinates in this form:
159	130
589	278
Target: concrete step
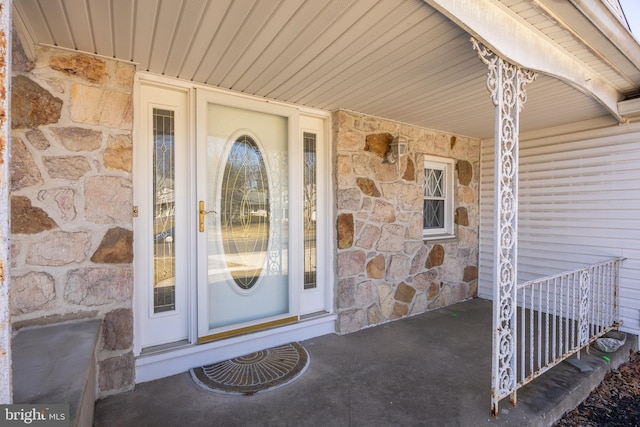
565	386
56	364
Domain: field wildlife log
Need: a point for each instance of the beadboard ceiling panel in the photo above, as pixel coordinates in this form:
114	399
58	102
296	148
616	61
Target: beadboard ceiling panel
101	18
544	16
81	28
123	38
397	59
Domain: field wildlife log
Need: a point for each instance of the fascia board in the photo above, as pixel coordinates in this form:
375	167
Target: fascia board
514	40
630	108
604	20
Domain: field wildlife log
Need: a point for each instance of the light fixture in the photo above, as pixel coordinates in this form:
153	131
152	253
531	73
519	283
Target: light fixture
399	146
397	149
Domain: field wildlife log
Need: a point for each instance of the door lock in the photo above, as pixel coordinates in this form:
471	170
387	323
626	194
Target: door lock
202	213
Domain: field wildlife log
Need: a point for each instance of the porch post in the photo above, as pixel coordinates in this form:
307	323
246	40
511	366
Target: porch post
506	83
6	394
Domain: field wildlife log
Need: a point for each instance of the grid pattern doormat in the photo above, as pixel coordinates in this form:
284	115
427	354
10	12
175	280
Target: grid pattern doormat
255	372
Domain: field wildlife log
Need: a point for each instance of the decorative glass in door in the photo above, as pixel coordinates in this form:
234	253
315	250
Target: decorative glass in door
244	212
310	210
164	275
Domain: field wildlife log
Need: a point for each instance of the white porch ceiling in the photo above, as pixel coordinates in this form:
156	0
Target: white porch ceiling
397	59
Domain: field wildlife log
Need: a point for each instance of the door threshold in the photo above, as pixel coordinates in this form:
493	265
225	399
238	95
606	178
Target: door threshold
313	315
164	347
175	359
248	329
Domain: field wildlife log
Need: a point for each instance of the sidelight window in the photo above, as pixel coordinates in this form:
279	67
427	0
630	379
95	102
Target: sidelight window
164	263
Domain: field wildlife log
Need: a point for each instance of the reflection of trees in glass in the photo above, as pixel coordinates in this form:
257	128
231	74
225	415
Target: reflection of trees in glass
309	187
244	201
163	150
309	140
245	194
163	210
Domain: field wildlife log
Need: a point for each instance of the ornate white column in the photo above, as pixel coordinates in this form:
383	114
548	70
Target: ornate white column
506	83
6	389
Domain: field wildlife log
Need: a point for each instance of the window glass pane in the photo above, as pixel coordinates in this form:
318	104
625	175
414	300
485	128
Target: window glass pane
309	210
434	183
244	202
163	211
433	214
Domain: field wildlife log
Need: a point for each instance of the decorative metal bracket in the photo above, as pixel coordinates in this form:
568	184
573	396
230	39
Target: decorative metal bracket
506	83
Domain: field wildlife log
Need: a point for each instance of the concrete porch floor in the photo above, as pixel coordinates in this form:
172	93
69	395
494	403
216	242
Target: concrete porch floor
433	369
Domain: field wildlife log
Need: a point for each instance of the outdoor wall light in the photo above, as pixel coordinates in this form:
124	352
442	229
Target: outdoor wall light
399	146
397	149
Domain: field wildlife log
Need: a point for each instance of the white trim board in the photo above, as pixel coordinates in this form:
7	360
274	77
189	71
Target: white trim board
163	364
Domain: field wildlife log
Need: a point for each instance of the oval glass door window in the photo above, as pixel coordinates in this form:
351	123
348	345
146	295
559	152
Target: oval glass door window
244	202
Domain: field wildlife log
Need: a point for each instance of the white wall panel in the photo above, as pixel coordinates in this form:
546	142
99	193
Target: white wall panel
165	33
55	11
101	21
123	18
579	203
81	30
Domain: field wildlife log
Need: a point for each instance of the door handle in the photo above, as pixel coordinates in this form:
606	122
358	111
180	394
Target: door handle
202	213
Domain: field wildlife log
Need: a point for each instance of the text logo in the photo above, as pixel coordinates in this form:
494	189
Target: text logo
38	415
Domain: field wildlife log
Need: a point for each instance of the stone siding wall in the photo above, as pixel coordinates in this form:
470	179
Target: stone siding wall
71	201
385	268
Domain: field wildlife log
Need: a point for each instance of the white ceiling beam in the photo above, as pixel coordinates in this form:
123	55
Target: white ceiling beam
630	109
602	17
514	40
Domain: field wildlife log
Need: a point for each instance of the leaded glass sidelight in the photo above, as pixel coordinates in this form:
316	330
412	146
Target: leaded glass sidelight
310	210
245	210
164	275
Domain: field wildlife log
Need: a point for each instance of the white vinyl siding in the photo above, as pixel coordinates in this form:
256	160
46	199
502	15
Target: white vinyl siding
579	203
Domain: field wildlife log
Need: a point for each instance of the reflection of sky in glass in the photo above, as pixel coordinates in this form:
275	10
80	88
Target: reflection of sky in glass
163	149
245	212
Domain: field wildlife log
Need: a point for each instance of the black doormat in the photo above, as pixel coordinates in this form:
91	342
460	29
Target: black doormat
255	372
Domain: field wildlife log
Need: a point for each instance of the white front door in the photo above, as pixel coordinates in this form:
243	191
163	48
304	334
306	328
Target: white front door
244	244
228	239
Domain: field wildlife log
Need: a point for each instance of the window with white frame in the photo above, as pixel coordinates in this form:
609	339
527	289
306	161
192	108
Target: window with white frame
438	195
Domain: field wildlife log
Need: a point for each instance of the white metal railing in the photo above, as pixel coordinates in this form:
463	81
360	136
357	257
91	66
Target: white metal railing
557	316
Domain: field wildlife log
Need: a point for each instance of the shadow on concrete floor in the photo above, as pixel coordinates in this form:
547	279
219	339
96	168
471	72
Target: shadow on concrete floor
432	369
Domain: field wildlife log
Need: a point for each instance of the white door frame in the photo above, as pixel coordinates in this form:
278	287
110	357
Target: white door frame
178	358
317	299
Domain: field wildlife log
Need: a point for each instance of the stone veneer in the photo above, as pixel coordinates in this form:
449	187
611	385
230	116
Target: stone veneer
385	269
71	197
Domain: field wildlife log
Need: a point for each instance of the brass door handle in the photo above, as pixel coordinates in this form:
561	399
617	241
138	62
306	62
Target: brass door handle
202	213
